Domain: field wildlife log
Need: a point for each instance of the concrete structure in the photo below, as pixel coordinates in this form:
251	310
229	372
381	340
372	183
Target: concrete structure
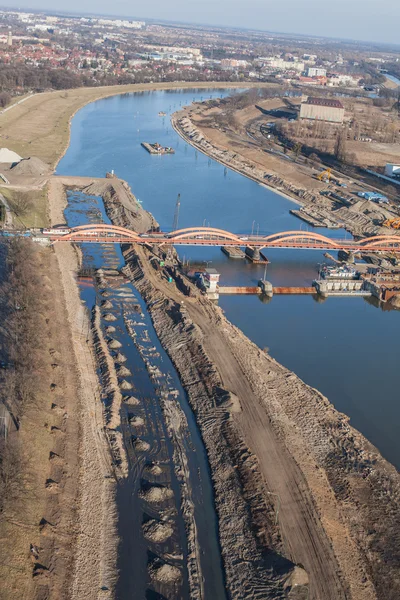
211	277
392	170
9	38
316	72
322	109
344	287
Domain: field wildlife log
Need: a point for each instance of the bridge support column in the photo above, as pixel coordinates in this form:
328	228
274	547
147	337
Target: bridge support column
266	288
253	253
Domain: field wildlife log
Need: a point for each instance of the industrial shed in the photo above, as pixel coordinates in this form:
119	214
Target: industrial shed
322	109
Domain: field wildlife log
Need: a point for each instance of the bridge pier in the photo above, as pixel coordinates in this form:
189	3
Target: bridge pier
266	288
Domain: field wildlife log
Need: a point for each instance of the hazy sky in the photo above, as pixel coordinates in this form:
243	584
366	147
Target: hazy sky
373	20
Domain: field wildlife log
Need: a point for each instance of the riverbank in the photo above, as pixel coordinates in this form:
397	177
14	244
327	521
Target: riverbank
239	166
40	126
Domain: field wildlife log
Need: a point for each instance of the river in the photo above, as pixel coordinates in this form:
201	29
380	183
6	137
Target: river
348	348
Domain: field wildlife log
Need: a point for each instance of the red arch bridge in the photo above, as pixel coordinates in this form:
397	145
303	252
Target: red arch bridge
209	236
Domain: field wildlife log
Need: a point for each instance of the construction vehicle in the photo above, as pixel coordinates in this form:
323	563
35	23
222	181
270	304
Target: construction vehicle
392	223
325	175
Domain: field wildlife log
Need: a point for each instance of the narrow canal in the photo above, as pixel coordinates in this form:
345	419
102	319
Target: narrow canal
348	348
167	523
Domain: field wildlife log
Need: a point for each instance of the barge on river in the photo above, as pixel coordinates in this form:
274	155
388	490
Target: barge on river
157	148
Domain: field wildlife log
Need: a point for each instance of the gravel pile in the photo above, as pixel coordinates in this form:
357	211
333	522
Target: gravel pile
30	166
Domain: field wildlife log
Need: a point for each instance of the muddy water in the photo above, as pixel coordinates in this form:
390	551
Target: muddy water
166	512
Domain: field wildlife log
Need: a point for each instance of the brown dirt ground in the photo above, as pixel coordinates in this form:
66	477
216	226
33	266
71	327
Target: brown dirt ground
20	525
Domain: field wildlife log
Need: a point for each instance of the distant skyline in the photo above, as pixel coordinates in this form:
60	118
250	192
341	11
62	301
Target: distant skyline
365	20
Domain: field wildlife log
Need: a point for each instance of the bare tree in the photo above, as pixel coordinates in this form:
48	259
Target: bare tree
21	204
341	145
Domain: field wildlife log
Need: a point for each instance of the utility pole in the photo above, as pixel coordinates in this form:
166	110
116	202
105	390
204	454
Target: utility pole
176	215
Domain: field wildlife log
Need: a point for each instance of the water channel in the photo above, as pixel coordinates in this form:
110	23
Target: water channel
152	397
348	348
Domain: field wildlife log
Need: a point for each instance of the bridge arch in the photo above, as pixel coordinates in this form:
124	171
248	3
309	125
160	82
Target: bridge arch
277	239
100	230
209	232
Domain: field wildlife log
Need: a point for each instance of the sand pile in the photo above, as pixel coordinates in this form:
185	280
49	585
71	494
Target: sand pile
125	385
113	344
136	421
156	494
141	445
153	469
120	358
109	317
110	329
9	156
123	372
106	304
31	166
156	531
164	573
132	401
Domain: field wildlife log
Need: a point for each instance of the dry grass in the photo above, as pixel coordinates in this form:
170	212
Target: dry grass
35	213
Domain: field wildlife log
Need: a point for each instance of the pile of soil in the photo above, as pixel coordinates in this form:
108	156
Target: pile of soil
141	446
123	372
31	166
125	385
156	494
113	344
153	469
156	531
132	401
109	317
165	573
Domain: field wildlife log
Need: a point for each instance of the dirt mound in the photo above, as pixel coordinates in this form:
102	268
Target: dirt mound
141	446
106	304
120	358
164	573
31	166
125	385
109	317
110	329
123	372
156	494
136	421
158	532
153	469
113	344
132	401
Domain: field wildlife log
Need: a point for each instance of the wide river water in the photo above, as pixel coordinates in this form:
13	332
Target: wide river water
348	348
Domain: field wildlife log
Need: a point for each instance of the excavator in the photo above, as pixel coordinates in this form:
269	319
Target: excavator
325	175
392	223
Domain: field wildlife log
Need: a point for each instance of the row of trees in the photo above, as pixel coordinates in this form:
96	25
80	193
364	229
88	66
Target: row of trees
21	346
